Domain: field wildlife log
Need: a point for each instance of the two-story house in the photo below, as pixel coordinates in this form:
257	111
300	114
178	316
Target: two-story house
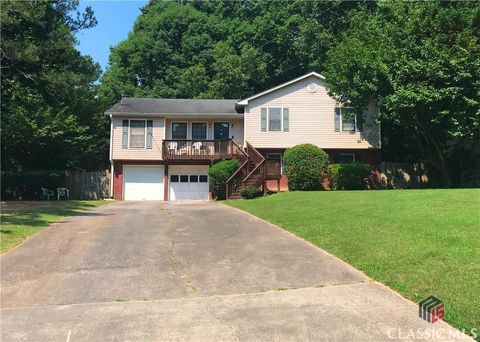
161	149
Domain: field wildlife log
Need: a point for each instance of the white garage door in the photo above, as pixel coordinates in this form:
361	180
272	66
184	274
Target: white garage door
143	182
188	182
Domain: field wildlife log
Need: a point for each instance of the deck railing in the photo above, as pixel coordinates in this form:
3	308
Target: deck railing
180	149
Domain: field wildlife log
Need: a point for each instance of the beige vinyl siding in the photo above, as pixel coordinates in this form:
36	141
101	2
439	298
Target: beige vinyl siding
311	120
236	127
155	153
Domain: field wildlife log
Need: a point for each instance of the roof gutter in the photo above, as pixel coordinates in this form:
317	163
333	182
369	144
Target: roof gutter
172	114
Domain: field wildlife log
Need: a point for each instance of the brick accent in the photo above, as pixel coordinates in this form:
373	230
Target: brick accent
371	156
118	174
272	184
166	191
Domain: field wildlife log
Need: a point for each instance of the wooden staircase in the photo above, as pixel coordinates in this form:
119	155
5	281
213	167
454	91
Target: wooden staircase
250	174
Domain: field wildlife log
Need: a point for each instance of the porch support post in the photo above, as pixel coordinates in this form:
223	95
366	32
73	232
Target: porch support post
278	185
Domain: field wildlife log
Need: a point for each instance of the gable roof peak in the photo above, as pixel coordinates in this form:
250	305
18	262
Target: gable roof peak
244	102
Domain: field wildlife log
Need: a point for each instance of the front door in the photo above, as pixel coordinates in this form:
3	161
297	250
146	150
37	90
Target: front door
221	131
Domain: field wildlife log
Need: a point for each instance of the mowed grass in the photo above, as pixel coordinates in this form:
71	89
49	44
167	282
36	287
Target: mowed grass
20	220
418	242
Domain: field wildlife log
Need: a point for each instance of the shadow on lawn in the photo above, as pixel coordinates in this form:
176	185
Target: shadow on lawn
39	214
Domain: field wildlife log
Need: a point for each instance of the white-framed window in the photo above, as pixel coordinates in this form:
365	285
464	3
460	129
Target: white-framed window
276	156
199	130
347	120
345	158
179	130
137	133
274	119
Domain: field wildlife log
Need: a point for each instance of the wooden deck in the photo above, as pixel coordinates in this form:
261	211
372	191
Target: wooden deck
175	150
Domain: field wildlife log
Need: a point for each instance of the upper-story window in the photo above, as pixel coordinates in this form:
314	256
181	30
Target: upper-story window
137	133
347	120
275	119
179	130
199	130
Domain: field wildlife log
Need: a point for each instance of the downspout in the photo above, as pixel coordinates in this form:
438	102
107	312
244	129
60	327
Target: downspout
111	157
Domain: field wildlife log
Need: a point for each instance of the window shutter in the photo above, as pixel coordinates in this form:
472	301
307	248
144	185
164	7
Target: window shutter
264	120
359	122
285	120
337	119
149	133
125	134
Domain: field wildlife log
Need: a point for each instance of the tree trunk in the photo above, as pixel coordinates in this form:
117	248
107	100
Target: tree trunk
441	166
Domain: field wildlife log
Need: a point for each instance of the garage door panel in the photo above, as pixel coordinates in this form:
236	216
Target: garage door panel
193	189
143	182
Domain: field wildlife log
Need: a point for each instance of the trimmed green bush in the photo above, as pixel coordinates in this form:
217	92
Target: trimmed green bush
219	174
349	176
25	185
250	193
306	165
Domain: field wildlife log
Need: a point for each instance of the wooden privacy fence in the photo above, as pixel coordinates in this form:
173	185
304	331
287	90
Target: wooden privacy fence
88	185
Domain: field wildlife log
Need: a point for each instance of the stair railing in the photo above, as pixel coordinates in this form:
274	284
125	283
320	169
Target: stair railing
237	177
259	161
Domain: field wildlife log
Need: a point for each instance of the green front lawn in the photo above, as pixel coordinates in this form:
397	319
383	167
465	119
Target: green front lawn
23	219
419	242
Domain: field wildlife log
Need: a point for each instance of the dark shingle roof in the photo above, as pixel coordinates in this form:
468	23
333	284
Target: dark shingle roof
173	106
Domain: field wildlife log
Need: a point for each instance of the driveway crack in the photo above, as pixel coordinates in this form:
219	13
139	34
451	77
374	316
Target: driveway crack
209	311
186	281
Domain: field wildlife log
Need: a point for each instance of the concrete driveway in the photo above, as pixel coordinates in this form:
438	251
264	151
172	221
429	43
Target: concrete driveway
190	271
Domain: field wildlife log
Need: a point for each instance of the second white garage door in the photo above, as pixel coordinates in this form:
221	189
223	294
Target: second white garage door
188	182
143	182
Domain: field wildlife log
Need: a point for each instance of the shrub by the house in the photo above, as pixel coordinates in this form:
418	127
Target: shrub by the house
250	193
351	176
306	165
219	174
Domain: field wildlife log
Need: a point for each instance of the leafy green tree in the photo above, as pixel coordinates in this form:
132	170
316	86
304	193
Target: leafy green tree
421	61
50	115
169	43
223	49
